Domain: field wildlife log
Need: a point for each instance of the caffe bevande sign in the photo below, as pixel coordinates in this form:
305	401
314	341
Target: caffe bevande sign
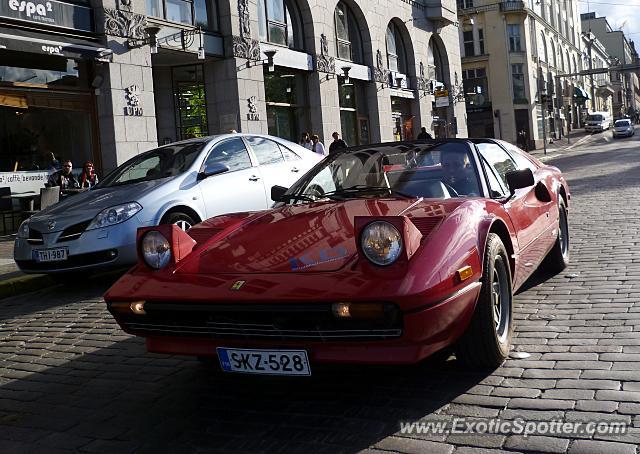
49	12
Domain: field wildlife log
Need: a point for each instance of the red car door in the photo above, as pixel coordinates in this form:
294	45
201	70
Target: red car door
529	214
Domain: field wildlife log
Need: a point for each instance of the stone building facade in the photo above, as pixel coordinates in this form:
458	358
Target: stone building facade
519	60
119	77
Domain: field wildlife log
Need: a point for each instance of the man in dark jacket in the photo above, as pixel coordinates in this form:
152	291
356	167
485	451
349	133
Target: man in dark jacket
424	135
64	179
337	143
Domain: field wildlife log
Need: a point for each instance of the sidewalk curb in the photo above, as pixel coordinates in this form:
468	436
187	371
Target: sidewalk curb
24	284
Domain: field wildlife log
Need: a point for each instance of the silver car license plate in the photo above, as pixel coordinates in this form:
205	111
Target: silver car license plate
267	362
51	255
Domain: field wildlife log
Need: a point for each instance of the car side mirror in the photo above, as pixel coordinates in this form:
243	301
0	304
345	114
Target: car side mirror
214	168
518	179
277	193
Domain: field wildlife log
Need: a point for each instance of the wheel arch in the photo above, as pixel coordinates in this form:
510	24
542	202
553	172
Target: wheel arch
182	209
500	228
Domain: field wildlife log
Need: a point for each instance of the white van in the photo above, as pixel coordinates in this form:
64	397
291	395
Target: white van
597	122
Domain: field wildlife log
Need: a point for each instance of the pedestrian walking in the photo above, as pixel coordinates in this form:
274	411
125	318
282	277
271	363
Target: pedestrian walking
318	147
337	144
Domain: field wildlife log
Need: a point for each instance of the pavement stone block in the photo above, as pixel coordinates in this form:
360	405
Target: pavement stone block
537	443
600	447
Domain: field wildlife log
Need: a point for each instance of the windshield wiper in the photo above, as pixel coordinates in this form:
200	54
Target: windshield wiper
363	189
289	197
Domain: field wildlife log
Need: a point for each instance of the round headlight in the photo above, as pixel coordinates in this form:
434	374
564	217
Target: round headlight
23	230
156	250
381	243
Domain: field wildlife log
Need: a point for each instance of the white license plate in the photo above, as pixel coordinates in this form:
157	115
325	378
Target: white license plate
51	255
267	362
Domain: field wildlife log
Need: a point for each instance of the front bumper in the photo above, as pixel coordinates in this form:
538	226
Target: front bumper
422	330
593	128
109	247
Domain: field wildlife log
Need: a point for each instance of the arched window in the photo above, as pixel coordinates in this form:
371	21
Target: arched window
396	53
543	50
201	13
279	23
348	40
435	62
555	56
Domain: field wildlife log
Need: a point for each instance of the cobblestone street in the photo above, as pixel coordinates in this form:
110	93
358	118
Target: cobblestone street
71	380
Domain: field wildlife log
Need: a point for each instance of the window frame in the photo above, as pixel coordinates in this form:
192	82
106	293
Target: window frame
212	9
515	39
292	25
248	140
354	38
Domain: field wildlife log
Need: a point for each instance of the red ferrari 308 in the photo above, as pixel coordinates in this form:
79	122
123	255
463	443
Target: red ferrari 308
381	254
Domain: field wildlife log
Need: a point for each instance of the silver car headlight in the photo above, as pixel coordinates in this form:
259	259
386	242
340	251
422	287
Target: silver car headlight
115	215
23	230
381	243
155	249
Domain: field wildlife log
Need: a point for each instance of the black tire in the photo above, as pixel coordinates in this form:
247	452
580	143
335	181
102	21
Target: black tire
182	220
486	342
558	257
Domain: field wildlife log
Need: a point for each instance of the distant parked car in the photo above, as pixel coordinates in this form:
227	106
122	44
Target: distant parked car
623	128
181	183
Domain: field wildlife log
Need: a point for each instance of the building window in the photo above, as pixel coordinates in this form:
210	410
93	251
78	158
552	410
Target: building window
475	86
464	4
354	115
396	55
279	23
348	40
287	111
517	76
467	38
481	39
201	13
513	31
190	101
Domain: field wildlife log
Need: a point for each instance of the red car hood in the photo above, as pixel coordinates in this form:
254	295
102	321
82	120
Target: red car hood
301	238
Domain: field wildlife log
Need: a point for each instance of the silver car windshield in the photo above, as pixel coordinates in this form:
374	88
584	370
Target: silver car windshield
620	123
162	162
440	170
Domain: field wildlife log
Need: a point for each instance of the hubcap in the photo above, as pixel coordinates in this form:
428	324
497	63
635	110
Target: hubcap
500	300
184	225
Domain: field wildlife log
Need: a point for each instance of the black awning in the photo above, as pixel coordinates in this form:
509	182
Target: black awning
63	46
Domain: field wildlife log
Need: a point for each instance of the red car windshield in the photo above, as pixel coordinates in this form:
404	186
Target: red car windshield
438	170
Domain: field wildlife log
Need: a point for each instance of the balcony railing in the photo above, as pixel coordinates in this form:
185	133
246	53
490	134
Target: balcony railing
512	6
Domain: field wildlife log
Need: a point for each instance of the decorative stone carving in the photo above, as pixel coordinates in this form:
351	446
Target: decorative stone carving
245	19
324	62
253	114
132	96
246	48
422	84
124	24
380	74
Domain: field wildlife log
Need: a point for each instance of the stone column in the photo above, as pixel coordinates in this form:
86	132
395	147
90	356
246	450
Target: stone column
126	107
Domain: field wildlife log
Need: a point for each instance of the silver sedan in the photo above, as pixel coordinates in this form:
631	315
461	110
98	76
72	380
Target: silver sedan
181	183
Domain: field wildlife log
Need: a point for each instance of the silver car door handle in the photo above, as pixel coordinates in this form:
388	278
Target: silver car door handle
295	169
253	178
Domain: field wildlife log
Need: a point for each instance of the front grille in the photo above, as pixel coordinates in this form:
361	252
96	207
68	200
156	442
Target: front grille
73	261
73	232
313	322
